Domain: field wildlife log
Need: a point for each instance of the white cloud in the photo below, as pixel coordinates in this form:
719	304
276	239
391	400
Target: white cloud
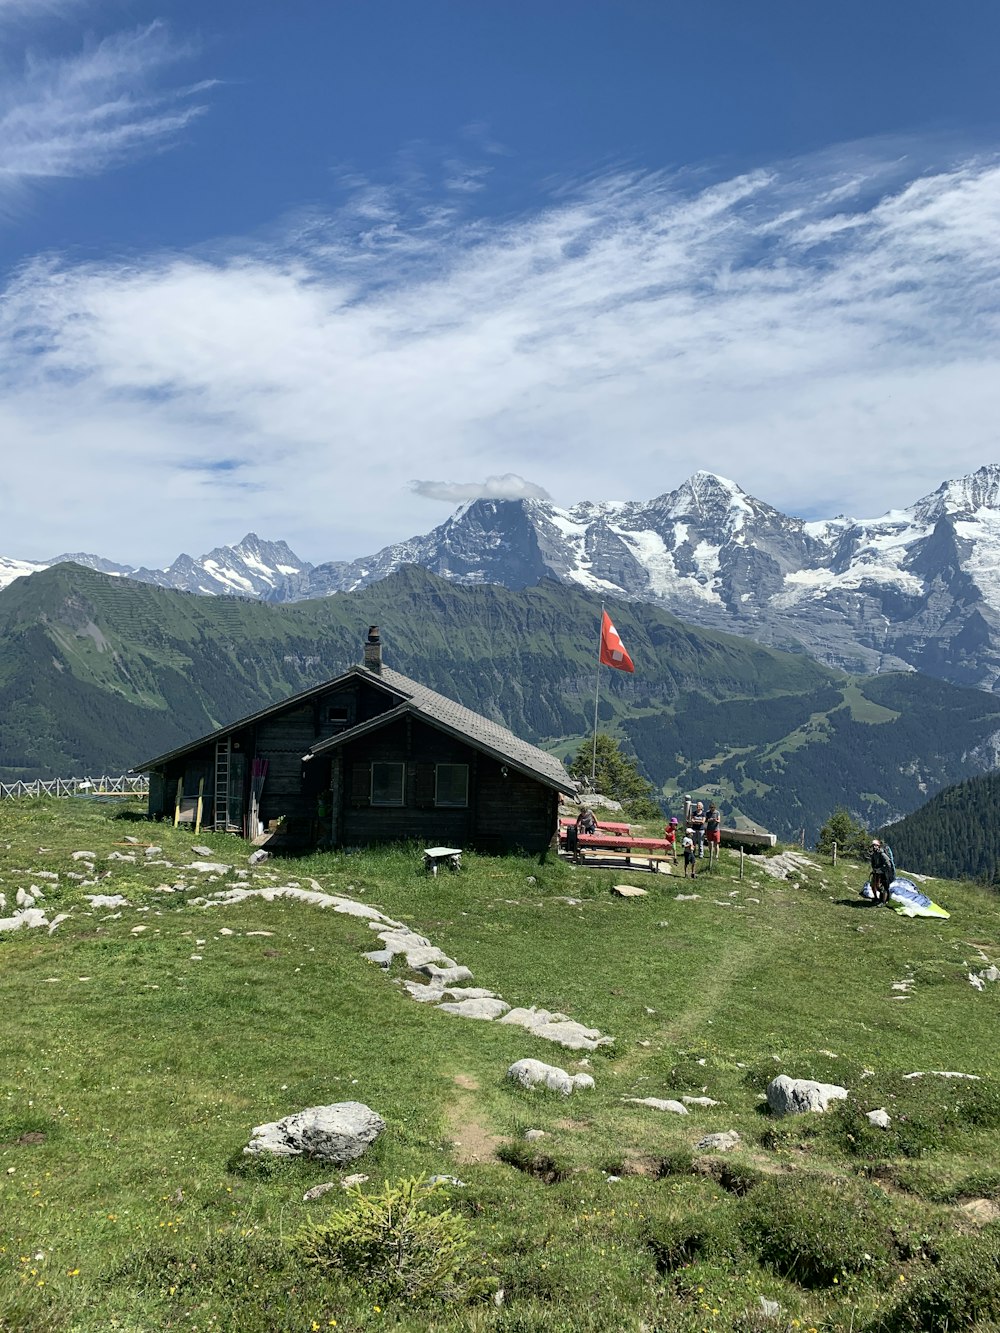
508	487
81	114
825	333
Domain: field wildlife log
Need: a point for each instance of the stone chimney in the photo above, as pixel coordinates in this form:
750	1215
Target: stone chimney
373	650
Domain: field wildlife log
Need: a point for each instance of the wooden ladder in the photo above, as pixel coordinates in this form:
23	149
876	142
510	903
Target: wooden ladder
221	798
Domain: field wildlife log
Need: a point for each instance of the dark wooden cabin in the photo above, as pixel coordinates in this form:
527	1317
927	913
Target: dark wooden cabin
370	756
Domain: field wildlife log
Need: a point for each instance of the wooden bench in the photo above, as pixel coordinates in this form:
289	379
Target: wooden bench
650	850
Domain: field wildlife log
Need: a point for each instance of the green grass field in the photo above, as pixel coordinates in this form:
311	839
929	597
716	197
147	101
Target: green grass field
142	1044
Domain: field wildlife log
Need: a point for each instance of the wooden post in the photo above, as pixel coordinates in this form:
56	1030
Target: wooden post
197	813
177	801
741	860
834	853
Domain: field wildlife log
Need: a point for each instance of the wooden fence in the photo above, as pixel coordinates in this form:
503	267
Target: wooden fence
126	784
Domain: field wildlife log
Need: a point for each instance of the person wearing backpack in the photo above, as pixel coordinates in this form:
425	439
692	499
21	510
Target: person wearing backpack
883	871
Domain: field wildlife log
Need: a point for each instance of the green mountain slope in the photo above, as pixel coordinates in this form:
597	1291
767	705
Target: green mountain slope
98	673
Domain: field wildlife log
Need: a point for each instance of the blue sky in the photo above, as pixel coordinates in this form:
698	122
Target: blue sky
323	269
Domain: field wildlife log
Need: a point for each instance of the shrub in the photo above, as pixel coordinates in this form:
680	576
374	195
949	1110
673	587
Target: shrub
962	1291
816	1232
392	1245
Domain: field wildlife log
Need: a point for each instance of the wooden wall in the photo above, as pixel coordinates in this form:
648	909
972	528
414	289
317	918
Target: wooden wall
503	814
507	811
513	812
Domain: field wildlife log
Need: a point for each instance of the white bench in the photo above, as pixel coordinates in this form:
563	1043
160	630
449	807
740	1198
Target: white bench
438	856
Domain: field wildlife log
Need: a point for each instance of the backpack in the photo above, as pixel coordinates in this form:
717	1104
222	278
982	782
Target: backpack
891	859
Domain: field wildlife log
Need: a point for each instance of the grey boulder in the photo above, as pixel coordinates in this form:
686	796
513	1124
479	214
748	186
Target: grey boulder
535	1074
336	1134
794	1096
723	1142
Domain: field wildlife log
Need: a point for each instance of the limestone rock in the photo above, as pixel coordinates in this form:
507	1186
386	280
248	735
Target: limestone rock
659	1104
557	1028
337	1133
430	994
880	1118
699	1101
209	867
84	856
318	1191
534	1074
202	851
533	1135
27	917
488	1009
381	957
445	976
723	1142
258	858
106	900
122	856
794	1096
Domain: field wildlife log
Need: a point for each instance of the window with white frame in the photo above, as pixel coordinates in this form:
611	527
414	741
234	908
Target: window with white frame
451	784
387	784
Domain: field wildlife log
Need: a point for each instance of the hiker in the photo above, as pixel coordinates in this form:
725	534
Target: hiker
585	820
713	829
689	852
883	872
670	836
697	821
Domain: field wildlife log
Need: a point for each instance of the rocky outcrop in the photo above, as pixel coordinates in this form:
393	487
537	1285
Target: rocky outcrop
337	1134
535	1074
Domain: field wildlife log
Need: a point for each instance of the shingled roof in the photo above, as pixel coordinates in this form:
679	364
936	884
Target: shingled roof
472	727
417	700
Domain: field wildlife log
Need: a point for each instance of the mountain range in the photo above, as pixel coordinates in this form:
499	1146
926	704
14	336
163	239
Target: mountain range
917	589
98	673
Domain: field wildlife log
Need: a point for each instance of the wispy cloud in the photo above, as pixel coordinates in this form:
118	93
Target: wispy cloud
827	333
81	114
508	487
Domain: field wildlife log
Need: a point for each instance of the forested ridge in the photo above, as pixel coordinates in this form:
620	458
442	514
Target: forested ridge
956	834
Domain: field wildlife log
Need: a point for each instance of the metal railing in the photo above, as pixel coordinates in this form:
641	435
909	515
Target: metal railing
125	784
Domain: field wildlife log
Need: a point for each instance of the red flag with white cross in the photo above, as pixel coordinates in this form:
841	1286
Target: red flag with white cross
613	652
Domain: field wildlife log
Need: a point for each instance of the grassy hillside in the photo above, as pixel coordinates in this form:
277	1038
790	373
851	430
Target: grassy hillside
98	673
145	1040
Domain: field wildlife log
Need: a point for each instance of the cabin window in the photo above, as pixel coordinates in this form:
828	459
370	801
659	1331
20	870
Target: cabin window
338	718
451	787
387	784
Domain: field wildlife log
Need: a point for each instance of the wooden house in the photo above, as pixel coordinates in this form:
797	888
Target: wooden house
370	756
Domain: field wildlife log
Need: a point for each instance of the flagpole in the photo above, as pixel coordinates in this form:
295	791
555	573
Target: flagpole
597	692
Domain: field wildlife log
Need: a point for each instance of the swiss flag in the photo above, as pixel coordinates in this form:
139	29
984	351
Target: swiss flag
613	652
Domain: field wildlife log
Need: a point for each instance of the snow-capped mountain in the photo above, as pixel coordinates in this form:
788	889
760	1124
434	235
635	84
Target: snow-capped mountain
251	568
916	588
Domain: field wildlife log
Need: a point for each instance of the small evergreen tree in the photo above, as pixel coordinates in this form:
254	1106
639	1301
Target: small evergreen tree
617	776
852	838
